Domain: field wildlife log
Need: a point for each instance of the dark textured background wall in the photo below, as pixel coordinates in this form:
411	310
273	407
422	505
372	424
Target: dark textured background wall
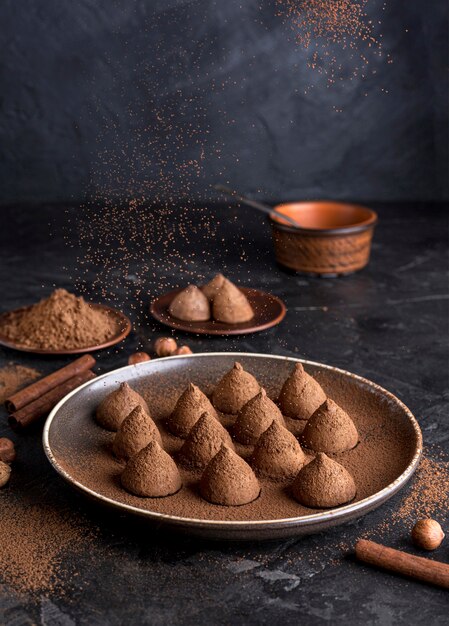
158	98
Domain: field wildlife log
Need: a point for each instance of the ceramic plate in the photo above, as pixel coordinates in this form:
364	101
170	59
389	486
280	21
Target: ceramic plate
123	330
268	311
72	440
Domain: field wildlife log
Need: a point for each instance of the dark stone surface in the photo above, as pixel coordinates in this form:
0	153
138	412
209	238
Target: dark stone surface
388	323
94	91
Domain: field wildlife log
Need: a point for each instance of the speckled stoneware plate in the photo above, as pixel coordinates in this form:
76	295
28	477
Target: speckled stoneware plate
269	310
79	449
122	322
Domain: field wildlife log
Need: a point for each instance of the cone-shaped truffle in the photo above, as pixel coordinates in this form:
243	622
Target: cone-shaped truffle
255	417
191	305
300	395
117	405
213	286
191	404
230	305
229	480
135	432
323	483
330	430
277	454
234	390
151	473
204	441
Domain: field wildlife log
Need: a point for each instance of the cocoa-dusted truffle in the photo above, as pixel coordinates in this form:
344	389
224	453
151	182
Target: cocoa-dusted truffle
234	390
277	454
230	305
117	405
211	289
330	430
300	395
135	432
190	305
323	483
151	473
191	404
255	417
203	442
229	480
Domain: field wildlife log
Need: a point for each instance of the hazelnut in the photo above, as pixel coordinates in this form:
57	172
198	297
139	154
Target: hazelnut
183	350
7	451
165	346
5	473
427	534
138	357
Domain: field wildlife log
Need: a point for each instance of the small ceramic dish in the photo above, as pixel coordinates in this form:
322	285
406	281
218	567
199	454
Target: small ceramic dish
122	322
269	311
334	238
75	444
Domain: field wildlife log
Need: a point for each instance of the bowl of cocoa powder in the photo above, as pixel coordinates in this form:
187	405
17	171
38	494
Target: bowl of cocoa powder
380	456
63	324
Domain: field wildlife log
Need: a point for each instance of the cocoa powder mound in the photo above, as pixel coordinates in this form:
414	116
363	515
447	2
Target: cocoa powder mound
62	321
14	377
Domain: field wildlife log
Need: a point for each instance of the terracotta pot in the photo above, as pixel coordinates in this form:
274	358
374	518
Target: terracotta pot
334	238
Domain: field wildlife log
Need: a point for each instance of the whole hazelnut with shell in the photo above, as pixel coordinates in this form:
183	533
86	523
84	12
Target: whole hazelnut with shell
183	350
165	346
5	473
427	534
138	357
7	450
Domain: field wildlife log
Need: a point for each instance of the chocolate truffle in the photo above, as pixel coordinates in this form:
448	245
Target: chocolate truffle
300	395
230	305
234	390
229	480
117	405
255	417
330	430
151	473
191	305
213	286
323	483
191	404
204	441
277	454
135	432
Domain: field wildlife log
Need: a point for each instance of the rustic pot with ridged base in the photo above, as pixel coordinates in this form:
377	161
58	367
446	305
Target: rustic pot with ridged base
334	237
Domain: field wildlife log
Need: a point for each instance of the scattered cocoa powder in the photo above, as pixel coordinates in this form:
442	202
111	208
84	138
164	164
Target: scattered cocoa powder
36	539
14	377
60	322
429	495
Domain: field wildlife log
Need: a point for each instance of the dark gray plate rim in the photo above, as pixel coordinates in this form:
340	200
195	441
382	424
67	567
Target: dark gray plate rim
315	520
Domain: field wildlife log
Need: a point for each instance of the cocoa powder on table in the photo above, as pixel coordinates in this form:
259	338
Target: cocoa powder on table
62	321
14	377
36	540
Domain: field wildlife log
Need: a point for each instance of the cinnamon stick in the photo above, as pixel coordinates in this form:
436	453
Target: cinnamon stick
43	405
42	386
417	567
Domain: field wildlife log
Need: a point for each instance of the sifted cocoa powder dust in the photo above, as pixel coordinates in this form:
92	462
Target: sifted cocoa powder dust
62	321
14	377
36	540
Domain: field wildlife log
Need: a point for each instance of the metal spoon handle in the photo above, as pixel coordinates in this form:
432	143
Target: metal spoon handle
255	204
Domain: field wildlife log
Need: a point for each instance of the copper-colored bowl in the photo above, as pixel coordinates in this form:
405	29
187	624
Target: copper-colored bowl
334	237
